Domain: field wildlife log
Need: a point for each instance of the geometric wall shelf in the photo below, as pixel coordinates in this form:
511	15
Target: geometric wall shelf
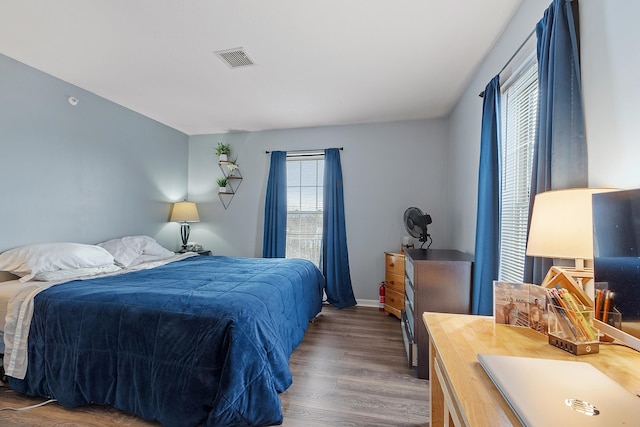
234	178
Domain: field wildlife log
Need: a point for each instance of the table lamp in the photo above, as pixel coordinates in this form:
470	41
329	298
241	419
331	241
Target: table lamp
562	227
184	213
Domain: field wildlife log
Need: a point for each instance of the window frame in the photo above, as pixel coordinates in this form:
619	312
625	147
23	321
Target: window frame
315	242
516	160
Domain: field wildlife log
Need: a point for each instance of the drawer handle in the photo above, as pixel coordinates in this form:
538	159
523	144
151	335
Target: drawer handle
392	282
391	264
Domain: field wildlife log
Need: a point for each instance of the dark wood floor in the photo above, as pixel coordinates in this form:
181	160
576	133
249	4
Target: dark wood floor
350	370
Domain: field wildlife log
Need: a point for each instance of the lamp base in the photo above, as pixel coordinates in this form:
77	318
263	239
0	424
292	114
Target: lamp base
571	279
184	234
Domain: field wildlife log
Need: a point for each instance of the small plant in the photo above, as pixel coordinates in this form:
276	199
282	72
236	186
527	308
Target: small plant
222	182
223	149
231	165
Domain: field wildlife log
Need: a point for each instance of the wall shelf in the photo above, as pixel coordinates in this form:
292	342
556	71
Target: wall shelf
234	179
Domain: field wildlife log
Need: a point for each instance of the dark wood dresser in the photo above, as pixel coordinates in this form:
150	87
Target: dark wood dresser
436	280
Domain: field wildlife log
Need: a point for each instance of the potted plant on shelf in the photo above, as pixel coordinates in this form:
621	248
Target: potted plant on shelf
223	151
222	185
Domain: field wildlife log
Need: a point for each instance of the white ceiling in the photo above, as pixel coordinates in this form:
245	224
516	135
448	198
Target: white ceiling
317	62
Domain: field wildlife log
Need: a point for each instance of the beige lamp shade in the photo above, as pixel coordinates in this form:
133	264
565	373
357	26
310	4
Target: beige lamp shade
184	212
562	224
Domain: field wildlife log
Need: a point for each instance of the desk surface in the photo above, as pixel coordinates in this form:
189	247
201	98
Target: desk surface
457	339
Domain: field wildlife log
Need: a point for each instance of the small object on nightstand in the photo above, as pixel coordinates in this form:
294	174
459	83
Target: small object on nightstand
193	247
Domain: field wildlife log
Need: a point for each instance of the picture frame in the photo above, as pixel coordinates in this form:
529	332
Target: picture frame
521	305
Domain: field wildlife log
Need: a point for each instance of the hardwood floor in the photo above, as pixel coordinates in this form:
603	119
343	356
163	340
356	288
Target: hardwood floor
350	370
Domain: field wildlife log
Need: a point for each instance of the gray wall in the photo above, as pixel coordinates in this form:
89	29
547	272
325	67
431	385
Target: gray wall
611	88
83	173
387	167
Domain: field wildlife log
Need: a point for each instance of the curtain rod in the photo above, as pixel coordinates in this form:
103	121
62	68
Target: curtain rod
481	94
308	152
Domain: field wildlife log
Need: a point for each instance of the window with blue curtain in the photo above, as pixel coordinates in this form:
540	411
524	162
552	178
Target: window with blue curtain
304	187
559	148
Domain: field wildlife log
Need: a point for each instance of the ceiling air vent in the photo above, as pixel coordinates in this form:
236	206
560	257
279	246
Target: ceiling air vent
235	58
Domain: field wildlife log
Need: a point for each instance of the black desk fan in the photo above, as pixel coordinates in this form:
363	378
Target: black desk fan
416	222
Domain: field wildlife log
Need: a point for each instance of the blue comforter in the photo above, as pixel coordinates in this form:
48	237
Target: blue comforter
205	340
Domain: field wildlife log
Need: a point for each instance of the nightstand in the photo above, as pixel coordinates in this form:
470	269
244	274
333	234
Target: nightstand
203	253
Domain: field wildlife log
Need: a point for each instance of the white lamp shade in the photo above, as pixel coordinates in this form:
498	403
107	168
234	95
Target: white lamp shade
562	224
184	212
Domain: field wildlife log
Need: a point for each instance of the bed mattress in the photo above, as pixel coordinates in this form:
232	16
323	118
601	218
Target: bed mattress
7	290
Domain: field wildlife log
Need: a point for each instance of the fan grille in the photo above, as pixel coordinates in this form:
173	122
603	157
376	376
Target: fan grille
415	222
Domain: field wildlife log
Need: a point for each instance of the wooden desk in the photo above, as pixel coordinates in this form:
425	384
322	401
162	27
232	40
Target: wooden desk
462	394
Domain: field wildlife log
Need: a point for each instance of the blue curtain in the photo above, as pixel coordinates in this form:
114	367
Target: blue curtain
560	156
335	258
274	243
487	248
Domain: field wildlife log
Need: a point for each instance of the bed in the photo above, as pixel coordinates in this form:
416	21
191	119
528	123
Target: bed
186	340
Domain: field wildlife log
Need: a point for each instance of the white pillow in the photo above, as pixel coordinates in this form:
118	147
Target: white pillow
29	260
133	250
75	273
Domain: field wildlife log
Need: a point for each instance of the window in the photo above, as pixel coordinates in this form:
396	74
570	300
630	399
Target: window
304	207
519	109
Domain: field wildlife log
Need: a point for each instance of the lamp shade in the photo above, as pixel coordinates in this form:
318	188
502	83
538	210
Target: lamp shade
184	212
562	224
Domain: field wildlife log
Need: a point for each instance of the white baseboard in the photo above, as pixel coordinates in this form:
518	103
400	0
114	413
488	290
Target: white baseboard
363	303
368	303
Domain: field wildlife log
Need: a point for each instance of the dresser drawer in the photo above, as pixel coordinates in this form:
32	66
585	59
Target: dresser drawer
392	310
409	269
394	299
394	282
409	344
393	303
394	263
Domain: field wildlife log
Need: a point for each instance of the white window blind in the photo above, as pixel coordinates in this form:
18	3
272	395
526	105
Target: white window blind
520	103
305	175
